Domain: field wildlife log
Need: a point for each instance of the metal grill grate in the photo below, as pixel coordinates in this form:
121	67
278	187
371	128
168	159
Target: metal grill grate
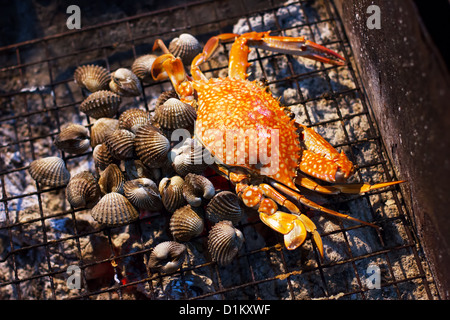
41	235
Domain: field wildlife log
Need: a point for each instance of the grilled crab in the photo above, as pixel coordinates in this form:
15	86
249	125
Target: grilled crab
255	144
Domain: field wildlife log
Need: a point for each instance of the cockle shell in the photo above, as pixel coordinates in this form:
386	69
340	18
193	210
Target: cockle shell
224	206
101	128
50	171
175	114
191	157
125	83
143	193
171	191
111	179
185	47
164	96
167	257
224	242
185	224
151	146
101	104
102	157
120	144
196	188
83	190
114	209
142	67
92	77
134	118
73	138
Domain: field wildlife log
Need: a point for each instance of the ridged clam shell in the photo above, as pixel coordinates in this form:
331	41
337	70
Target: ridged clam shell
190	158
163	97
196	188
102	157
50	171
185	224
83	190
142	67
74	138
125	83
175	114
224	242
111	179
171	191
151	146
167	257
101	104
101	128
186	47
114	209
132	119
92	77
120	144
143	193
224	206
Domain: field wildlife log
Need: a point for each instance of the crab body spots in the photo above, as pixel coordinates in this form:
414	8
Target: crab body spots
243	125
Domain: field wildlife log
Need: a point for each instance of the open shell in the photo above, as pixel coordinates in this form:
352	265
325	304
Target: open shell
196	188
135	169
191	157
134	118
92	77
83	190
143	193
120	144
167	257
186	224
171	190
50	171
151	146
125	83
114	209
224	206
111	179
101	128
101	104
224	242
74	139
185	47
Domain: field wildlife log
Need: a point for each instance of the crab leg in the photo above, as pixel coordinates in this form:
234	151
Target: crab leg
289	45
311	204
353	188
294	45
208	50
294	226
321	160
174	68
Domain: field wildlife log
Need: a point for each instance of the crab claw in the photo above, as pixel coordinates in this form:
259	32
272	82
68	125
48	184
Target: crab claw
293	45
296	237
320	53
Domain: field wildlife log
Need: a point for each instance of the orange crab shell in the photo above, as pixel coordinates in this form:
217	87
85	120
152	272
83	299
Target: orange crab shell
229	107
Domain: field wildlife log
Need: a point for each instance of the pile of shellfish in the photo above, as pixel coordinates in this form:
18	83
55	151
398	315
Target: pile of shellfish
137	166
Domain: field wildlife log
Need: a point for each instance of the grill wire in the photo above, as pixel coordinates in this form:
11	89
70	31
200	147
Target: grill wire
33	112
